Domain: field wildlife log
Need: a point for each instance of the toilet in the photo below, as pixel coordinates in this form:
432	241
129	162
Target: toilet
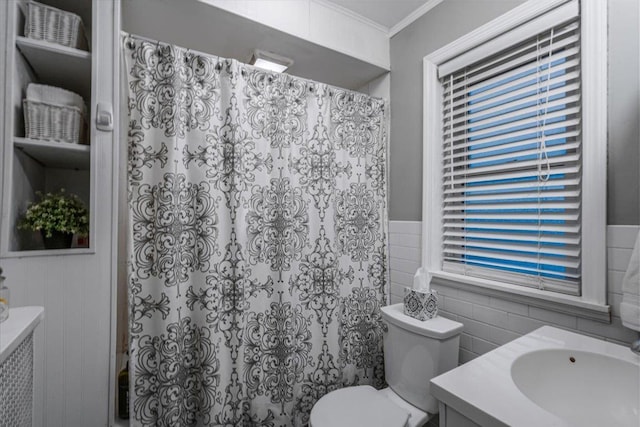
414	352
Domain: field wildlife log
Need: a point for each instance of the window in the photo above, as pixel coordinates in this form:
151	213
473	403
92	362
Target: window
511	151
516	144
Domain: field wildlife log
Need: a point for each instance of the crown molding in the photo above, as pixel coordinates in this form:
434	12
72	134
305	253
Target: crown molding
353	15
511	19
409	19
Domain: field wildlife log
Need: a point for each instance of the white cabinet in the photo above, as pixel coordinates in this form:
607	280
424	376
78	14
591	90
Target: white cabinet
449	417
73	370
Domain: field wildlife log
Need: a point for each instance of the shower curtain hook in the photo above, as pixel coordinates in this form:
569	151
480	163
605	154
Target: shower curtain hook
157	47
129	42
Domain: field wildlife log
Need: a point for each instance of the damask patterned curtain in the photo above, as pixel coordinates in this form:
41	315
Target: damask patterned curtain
257	240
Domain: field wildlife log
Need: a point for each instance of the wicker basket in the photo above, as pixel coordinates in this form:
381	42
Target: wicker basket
53	122
54	25
54	95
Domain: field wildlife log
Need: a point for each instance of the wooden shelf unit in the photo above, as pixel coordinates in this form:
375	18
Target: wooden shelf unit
52	154
34	166
57	65
75	286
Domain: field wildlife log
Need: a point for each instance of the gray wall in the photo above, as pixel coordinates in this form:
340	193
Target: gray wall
454	18
624	113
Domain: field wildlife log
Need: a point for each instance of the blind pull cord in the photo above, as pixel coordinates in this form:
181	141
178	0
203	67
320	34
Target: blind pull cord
539	167
451	127
466	96
542	152
543	144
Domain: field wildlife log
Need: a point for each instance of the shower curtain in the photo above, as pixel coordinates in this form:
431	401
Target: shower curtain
257	240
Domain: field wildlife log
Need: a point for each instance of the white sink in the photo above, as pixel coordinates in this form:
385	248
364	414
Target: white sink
580	387
549	377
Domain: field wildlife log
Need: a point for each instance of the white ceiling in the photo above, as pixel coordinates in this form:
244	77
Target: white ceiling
222	33
384	12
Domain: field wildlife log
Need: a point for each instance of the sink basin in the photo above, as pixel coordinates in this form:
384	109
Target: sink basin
584	388
547	378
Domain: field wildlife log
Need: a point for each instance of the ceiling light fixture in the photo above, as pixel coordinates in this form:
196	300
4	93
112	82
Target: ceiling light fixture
270	61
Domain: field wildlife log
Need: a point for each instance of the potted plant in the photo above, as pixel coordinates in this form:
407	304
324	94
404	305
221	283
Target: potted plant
58	216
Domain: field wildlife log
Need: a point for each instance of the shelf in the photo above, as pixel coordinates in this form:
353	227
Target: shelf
51	154
58	65
47	252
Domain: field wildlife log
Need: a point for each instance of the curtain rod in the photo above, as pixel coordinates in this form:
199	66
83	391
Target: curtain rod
127	35
158	42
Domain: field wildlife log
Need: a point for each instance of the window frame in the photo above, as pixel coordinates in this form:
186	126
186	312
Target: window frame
592	302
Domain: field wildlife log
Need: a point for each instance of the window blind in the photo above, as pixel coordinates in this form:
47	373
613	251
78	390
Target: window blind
512	163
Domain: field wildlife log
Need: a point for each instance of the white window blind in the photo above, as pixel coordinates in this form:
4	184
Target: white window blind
512	163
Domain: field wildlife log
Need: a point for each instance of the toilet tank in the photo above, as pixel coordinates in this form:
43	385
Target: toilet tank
416	351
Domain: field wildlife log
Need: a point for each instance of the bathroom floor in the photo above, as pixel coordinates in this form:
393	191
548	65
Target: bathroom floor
433	422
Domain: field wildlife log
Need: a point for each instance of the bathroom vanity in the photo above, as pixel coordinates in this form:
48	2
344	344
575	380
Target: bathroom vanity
549	377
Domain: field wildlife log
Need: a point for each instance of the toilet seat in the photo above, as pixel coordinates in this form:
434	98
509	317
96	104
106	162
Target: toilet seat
359	406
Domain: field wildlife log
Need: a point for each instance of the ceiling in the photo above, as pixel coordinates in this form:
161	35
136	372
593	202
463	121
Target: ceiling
384	12
228	35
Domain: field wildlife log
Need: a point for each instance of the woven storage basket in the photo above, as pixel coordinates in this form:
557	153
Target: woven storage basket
54	25
54	95
53	122
54	114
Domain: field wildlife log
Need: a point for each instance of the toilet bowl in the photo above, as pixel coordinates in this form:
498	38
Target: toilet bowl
415	351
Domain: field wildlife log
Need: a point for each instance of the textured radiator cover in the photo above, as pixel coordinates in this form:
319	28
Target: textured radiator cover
16	386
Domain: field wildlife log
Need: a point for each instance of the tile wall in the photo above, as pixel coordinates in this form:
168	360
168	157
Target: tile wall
489	321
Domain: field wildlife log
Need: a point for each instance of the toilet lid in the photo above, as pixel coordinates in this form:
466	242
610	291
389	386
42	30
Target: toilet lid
358	406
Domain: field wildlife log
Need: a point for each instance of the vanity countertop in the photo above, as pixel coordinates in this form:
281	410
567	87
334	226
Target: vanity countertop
21	322
484	390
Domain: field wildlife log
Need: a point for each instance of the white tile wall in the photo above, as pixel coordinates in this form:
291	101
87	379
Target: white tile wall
490	322
404	254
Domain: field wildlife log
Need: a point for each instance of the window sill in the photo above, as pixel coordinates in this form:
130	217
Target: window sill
567	304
